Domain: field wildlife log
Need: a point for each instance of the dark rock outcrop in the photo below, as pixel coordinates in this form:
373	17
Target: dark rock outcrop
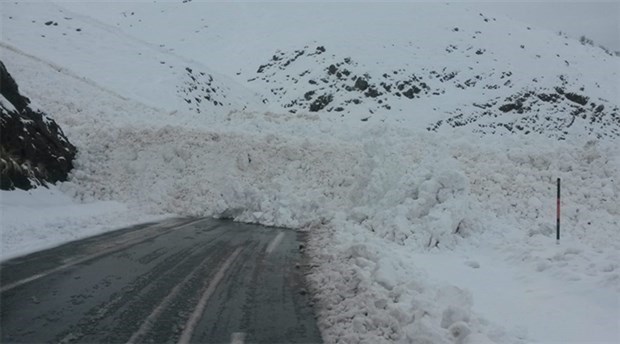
33	149
341	82
337	84
321	102
541	111
577	98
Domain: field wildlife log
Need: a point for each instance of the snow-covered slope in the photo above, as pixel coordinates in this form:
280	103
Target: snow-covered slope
419	63
118	62
368	62
382	186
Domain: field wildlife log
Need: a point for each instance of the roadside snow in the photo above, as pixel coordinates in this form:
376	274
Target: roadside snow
506	291
415	265
42	218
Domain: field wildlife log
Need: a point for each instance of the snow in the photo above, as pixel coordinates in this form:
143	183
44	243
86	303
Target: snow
550	303
43	218
504	260
414	236
7	104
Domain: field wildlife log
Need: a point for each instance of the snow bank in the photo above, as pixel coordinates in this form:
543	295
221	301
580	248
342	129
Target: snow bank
394	187
500	195
517	187
42	218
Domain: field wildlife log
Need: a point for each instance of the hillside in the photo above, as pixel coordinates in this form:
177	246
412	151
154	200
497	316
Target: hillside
381	62
120	63
417	145
345	62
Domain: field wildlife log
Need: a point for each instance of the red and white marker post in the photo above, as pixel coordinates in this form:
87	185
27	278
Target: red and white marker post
557	232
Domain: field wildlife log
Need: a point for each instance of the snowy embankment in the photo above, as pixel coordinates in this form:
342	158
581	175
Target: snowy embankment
42	218
413	236
496	244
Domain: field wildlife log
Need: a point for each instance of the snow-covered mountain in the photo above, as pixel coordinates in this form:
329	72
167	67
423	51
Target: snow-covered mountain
413	63
426	65
418	144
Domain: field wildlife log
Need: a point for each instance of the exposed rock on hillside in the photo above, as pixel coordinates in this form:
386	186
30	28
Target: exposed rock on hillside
33	149
316	90
551	112
311	79
199	87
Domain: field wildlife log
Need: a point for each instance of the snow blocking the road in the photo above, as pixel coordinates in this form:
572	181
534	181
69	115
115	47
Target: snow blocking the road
373	201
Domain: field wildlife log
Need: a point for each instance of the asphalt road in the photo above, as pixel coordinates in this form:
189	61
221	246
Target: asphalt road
179	281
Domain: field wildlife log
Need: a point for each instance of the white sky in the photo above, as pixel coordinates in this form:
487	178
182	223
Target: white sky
597	20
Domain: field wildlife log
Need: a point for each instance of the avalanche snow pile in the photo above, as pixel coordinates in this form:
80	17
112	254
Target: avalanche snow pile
363	146
369	203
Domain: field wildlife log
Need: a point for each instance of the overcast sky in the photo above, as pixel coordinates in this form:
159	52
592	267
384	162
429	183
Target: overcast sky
597	20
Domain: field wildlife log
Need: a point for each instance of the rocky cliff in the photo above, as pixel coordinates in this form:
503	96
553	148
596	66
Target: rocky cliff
33	148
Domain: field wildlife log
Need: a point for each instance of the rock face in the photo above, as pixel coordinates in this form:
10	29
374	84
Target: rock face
476	93
338	84
33	149
552	112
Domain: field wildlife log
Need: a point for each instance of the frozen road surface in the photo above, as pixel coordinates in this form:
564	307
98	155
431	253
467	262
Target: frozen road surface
179	281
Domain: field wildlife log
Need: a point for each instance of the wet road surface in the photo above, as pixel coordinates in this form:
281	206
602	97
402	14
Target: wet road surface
178	281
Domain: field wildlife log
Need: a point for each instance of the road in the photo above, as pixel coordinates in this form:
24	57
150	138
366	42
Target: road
178	281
